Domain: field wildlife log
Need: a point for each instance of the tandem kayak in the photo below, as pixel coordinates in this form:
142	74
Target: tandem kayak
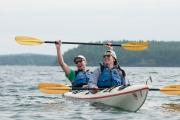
130	98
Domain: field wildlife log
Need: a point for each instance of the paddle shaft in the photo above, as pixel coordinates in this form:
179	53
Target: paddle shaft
82	43
170	90
154	89
74	88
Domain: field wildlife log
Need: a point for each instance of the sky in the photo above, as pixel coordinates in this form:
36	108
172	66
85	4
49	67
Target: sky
85	21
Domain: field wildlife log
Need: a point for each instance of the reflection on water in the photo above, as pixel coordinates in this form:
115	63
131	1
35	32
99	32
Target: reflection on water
171	107
102	107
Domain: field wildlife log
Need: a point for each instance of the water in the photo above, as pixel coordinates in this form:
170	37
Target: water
21	100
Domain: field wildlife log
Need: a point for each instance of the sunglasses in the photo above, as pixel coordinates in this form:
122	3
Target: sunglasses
77	61
106	56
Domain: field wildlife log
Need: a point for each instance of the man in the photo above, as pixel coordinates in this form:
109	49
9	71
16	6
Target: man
78	77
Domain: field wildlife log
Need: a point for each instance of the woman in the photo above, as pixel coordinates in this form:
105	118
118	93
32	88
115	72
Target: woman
78	77
109	74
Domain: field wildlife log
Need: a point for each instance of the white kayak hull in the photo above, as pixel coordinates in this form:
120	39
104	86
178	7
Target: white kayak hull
130	98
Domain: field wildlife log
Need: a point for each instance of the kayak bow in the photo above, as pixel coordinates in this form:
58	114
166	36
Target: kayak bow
130	98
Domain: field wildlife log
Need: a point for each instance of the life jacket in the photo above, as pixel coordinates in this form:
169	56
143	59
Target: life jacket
111	77
81	78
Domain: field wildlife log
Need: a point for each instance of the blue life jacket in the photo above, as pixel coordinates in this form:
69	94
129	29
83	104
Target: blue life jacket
81	78
111	77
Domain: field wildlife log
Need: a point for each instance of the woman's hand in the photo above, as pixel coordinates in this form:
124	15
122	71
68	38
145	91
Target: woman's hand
85	86
95	90
109	45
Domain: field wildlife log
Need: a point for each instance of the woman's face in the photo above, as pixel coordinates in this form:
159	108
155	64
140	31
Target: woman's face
80	64
108	60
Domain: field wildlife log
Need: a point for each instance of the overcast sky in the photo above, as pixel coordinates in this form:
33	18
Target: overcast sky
86	21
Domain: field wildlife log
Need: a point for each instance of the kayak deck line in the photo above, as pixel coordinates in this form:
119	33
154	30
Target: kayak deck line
113	95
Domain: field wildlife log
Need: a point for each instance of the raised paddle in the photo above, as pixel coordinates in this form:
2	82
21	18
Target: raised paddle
54	88
133	46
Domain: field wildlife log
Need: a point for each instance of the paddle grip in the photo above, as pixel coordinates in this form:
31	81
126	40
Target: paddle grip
54	42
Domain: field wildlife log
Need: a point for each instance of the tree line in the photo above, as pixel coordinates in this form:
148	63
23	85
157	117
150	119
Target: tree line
159	54
28	59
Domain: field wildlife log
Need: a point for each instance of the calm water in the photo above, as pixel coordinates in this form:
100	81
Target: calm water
21	100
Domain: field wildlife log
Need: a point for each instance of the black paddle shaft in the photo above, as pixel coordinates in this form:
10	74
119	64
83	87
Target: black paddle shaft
79	88
154	89
82	43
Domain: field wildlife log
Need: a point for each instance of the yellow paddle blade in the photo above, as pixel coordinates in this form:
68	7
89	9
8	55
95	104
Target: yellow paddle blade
171	89
55	90
43	85
136	46
25	40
